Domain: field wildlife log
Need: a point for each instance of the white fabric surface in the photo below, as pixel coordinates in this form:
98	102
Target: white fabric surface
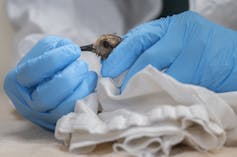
154	113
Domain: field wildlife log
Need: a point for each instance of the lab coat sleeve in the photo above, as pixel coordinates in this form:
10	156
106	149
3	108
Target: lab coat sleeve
81	21
220	11
34	19
25	44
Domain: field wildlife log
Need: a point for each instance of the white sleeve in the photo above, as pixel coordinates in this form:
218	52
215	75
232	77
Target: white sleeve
81	21
47	17
220	11
26	43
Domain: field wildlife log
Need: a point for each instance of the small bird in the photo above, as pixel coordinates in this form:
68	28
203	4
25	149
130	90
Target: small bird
103	45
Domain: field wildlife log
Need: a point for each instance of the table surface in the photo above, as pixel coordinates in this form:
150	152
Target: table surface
19	137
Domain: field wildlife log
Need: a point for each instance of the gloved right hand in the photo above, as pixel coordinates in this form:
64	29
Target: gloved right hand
186	46
48	81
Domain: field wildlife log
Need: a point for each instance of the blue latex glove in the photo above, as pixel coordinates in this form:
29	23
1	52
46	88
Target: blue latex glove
187	46
47	82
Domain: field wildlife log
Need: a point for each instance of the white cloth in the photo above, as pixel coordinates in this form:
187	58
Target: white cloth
154	113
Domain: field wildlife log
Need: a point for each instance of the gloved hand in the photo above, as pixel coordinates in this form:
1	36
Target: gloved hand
186	46
47	82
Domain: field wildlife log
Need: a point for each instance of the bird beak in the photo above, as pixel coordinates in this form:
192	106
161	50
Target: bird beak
88	48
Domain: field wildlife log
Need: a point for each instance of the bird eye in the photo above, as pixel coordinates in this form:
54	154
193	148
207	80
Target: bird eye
106	44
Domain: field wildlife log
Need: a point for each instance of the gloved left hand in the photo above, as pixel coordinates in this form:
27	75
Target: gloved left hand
49	80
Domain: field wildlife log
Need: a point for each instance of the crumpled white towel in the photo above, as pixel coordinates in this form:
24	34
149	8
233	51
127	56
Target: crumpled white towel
154	113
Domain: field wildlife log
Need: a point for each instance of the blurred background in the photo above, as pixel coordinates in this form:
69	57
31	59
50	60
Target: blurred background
6	63
6	38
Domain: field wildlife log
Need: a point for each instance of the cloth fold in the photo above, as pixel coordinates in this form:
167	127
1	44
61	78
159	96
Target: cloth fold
152	115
